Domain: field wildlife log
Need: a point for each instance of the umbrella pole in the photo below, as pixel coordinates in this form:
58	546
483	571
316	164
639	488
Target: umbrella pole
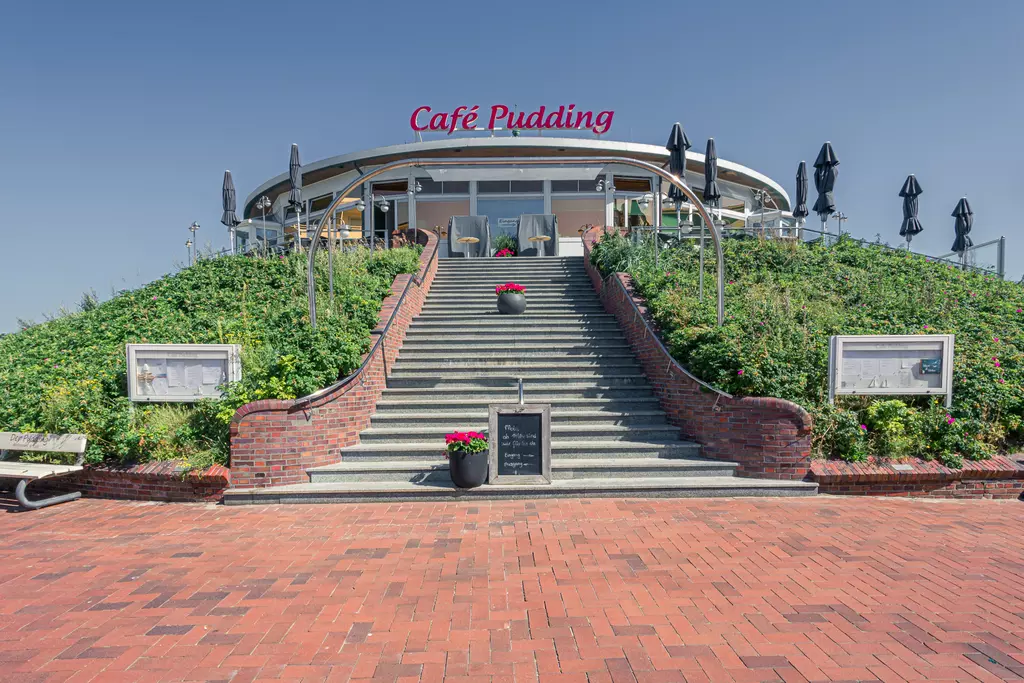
332	229
656	250
701	276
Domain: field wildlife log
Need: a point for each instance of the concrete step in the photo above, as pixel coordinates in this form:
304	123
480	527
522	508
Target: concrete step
441	288
490	302
507	393
561	431
463	382
421	471
571	449
619	487
526	329
422	405
470	313
411	360
525	337
460	344
455	420
499	354
526	362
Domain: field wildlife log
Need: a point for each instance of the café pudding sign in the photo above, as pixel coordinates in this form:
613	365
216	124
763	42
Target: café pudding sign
499	116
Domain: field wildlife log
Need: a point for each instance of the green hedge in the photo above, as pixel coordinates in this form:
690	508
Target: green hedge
68	375
784	300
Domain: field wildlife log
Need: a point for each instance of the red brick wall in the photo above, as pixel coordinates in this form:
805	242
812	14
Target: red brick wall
163	481
998	477
274	442
768	437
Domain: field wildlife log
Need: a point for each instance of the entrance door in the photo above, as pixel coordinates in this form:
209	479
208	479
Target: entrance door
503	213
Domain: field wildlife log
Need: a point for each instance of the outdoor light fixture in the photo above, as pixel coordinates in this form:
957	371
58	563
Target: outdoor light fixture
360	206
600	186
419	188
645	201
384	206
188	249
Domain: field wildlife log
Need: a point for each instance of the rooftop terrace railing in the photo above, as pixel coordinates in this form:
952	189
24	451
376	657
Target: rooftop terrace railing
998	269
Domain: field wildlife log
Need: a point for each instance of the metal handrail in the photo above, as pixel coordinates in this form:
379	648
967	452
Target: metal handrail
307	400
676	181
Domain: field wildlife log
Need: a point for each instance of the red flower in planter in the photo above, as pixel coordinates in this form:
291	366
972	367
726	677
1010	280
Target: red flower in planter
509	287
505	253
470	442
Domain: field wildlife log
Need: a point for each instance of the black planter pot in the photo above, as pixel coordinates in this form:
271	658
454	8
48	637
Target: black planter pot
511	303
468	470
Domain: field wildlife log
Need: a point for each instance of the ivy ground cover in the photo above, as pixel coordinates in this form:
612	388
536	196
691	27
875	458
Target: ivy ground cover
783	302
68	375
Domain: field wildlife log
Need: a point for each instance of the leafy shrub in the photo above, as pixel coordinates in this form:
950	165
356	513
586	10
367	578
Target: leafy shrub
785	299
506	241
69	375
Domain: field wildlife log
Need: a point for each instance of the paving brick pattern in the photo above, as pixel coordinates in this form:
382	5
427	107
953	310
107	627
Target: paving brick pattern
571	590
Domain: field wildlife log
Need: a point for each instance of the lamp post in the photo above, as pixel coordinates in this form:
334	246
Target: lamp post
188	249
412	199
840	217
192	228
263	204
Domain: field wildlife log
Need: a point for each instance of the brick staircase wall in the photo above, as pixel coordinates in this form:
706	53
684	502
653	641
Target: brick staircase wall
274	442
768	437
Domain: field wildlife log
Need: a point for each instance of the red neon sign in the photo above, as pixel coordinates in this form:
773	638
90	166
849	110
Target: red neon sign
466	118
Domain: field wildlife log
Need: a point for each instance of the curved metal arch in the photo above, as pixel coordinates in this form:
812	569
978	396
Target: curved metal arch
716	236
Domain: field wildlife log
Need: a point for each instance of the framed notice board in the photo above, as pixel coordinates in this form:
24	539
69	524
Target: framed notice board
876	364
520	444
181	373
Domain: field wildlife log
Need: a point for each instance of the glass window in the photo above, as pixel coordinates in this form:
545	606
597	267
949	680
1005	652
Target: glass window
573	214
435	214
320	203
391	187
527	186
566	186
630	184
456	187
493	187
430	186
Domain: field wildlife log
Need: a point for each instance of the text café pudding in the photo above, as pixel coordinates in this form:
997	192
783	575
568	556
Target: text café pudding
466	118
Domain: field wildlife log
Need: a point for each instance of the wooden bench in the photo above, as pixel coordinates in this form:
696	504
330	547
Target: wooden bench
25	472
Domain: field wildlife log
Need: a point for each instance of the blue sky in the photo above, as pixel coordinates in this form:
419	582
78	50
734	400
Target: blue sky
119	118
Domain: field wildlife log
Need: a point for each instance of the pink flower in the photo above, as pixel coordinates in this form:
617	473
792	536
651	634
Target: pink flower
1018	310
926	327
864	428
739	372
950	420
997	364
995	339
154	298
1002	381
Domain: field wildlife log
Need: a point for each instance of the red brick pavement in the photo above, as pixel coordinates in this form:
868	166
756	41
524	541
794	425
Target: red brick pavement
583	590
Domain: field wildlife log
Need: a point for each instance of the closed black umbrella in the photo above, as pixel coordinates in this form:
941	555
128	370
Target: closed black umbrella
825	173
712	196
964	221
800	211
677	145
295	195
228	218
911	225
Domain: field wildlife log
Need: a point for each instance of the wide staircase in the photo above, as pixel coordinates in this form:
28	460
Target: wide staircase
609	436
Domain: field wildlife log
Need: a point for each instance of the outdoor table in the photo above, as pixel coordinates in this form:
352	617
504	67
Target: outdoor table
540	238
468	240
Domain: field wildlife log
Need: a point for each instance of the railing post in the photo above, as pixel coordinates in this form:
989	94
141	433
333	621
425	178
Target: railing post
1001	258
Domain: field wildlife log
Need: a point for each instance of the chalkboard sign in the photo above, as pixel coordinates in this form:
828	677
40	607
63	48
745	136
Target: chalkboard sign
520	444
